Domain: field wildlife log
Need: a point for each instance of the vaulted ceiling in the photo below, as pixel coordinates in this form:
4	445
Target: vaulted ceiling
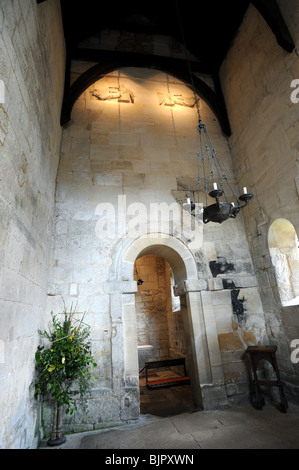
206	27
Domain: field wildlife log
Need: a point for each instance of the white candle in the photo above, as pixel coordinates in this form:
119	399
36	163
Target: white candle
215	185
188	200
244	190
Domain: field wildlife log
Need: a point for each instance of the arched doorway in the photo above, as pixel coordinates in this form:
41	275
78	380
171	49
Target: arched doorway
153	305
207	381
161	335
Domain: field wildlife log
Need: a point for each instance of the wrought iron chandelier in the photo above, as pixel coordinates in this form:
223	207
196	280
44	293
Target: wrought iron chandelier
209	163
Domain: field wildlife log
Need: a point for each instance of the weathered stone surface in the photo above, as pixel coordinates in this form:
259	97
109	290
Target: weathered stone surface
190	286
215	284
249	338
230	342
32	72
262	151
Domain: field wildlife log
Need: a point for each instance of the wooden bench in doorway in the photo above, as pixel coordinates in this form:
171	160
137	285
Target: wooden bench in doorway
170	381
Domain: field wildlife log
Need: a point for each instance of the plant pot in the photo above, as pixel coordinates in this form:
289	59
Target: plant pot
57	438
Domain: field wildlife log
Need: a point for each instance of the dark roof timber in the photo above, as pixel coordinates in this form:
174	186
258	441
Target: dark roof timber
108	61
272	15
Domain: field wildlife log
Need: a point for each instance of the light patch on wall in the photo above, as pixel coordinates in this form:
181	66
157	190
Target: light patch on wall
2	352
2	92
22	176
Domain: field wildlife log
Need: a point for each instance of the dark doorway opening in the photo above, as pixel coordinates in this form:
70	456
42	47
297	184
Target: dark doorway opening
160	335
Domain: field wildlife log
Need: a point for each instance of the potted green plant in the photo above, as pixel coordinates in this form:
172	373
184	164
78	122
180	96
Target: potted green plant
66	363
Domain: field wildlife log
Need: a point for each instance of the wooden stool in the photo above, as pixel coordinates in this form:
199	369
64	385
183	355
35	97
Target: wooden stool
255	354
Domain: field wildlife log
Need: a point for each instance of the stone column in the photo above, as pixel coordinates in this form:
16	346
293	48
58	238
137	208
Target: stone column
214	393
208	379
124	347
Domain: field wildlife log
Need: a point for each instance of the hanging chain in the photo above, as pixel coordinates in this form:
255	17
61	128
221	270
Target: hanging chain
200	153
204	142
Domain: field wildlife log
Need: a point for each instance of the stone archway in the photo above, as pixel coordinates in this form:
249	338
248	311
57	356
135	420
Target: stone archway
206	377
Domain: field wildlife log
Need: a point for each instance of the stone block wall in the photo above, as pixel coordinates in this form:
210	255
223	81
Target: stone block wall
256	79
32	72
121	154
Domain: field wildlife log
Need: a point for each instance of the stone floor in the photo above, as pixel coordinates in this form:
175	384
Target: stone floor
165	401
169	420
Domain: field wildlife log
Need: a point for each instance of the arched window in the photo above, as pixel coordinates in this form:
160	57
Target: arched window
284	251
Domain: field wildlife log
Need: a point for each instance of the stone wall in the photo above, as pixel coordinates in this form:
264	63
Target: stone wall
32	71
256	80
129	146
122	152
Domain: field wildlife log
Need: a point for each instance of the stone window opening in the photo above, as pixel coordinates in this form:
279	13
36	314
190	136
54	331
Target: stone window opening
284	252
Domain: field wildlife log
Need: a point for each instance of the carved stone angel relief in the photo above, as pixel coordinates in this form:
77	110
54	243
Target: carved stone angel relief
119	93
171	99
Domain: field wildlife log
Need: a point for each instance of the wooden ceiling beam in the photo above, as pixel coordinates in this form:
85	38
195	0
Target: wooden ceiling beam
100	55
270	10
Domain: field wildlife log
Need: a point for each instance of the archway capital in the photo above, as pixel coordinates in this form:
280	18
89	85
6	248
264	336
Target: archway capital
190	285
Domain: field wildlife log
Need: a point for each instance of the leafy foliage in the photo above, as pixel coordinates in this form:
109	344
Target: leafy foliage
66	362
